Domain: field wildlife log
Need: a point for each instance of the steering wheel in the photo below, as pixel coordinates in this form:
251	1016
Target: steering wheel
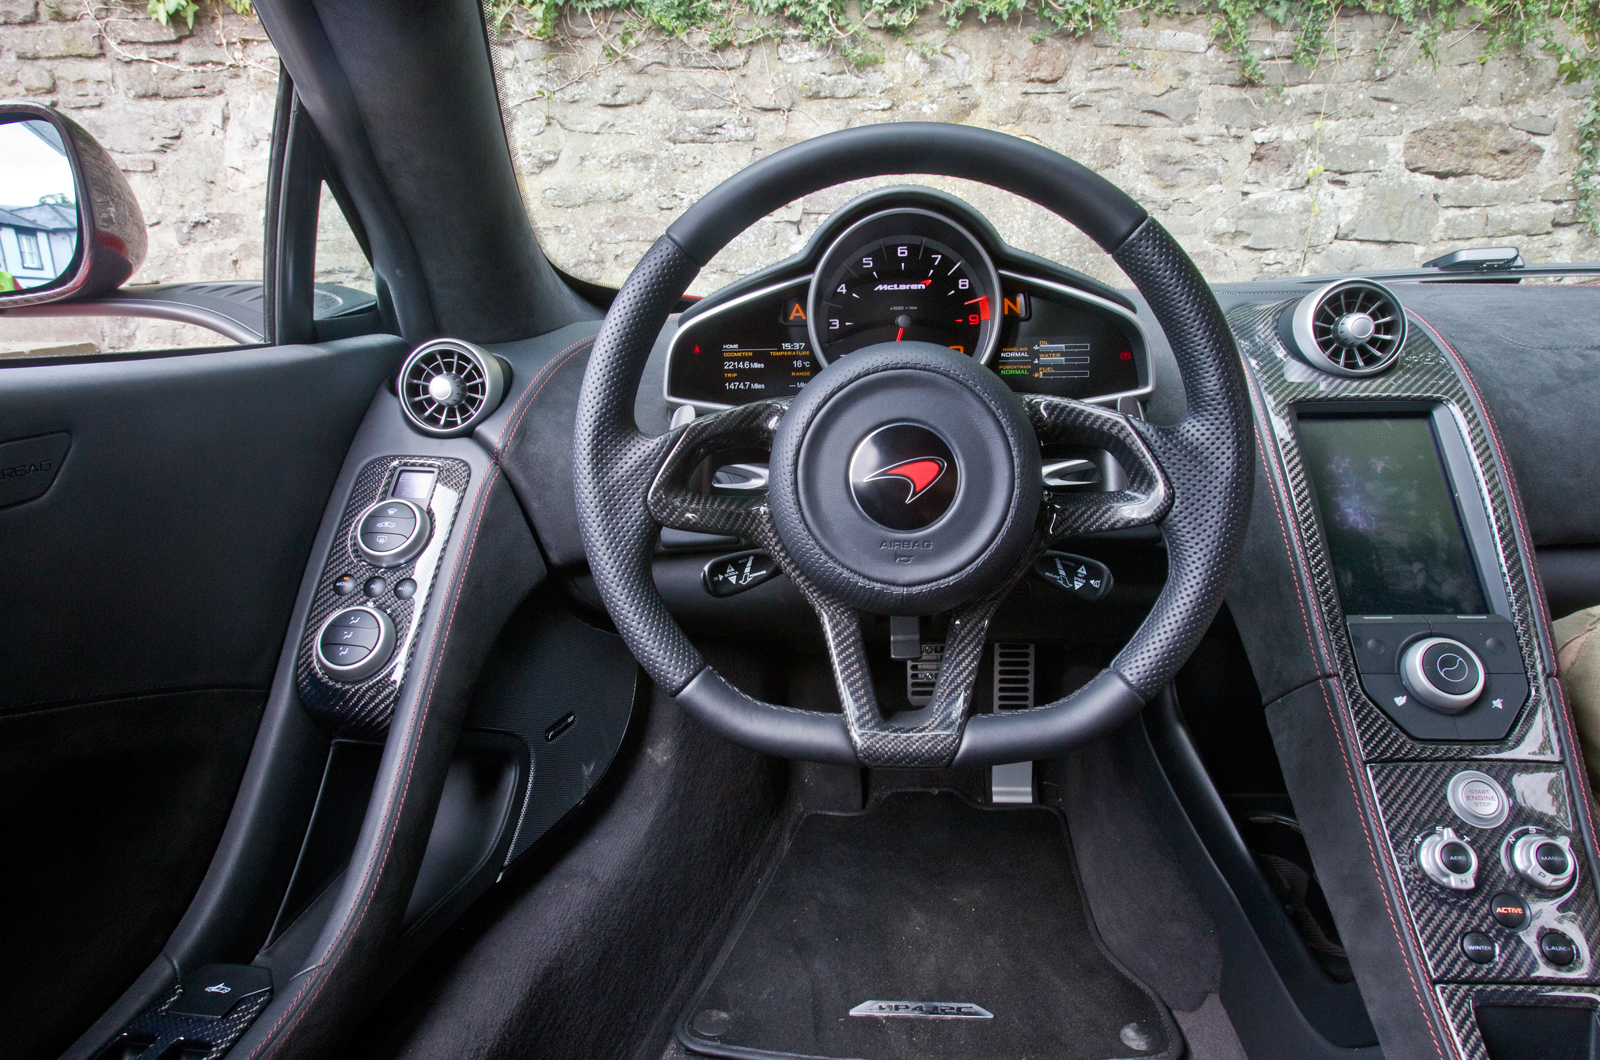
942	415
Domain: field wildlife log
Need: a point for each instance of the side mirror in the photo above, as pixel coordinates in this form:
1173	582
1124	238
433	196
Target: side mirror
69	224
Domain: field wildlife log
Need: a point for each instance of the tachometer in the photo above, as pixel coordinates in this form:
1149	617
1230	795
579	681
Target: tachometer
904	276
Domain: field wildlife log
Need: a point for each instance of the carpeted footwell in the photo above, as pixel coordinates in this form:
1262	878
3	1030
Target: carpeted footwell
948	910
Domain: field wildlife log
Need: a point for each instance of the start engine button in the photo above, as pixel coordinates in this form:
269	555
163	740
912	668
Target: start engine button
1477	799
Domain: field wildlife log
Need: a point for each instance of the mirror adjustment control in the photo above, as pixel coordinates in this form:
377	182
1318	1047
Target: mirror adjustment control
1446	859
1544	860
355	643
1444	674
391	532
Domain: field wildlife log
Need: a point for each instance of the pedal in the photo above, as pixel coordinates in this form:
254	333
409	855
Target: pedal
1013	690
922	674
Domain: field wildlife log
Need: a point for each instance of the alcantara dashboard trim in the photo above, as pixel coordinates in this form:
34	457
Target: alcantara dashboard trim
1144	364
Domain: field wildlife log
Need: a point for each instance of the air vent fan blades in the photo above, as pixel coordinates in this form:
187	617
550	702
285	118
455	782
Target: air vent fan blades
447	387
1350	328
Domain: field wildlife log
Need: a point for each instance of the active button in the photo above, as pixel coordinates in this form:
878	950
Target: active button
1509	910
1478	947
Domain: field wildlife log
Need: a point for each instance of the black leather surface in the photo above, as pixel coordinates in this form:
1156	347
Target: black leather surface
775	730
167	553
1535	352
1323	784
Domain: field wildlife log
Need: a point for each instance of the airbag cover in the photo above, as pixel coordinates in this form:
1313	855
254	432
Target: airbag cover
905	479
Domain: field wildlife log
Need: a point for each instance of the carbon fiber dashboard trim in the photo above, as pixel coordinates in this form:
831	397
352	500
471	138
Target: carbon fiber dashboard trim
1405	778
203	1039
361	710
1459	1000
1423	373
1411	797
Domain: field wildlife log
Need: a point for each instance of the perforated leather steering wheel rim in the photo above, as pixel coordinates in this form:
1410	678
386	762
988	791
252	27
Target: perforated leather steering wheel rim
1207	458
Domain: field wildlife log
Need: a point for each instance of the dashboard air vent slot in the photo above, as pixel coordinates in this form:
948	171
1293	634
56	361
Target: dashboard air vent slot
447	387
1350	327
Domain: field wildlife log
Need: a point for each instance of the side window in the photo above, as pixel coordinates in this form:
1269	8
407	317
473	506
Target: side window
341	261
198	167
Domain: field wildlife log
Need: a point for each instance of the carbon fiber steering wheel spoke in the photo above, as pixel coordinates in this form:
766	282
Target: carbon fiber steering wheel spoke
672	501
1148	495
927	737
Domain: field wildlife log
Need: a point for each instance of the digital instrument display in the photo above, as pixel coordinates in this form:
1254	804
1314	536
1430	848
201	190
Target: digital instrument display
905	276
748	351
1051	347
1394	534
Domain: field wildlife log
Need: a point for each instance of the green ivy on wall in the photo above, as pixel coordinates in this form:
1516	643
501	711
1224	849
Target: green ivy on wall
1569	30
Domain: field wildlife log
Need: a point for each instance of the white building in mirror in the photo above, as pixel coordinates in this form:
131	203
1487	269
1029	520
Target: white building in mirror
37	242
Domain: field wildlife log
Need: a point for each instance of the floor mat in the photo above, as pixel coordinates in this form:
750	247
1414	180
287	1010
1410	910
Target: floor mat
966	919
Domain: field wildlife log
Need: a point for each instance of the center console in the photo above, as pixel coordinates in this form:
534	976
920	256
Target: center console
1422	731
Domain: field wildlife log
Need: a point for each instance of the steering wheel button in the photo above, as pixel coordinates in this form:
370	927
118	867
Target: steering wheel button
1478	947
1509	910
1558	948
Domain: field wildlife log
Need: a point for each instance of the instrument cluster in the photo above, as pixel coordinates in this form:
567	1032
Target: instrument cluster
902	265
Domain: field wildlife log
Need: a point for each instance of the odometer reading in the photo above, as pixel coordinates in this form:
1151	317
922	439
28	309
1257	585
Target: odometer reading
905	276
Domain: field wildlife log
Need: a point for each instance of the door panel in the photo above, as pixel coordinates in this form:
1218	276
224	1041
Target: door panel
143	610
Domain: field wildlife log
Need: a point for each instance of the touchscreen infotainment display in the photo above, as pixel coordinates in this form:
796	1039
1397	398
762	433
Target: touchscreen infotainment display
1394	535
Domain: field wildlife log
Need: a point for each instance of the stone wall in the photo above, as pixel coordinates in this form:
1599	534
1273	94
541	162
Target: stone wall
1374	159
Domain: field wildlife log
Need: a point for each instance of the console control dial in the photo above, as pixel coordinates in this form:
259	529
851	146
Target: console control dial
1446	859
1544	860
1444	674
355	643
391	532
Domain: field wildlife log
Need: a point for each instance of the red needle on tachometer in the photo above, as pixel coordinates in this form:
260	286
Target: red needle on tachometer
900	335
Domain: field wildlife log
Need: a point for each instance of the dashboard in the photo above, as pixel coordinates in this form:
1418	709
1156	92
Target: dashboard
909	264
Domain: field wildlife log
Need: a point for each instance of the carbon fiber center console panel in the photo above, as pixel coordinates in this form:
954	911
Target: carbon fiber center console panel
1466	945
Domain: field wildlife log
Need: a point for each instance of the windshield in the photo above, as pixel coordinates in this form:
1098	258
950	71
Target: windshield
1348	166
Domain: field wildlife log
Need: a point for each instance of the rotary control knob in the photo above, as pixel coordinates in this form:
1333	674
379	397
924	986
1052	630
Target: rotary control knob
391	532
1444	674
355	643
1447	860
1544	860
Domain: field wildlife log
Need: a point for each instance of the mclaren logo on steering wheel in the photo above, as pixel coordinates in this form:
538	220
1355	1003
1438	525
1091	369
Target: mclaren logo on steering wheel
904	476
919	473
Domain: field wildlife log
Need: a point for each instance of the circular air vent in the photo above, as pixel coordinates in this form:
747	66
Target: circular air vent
1352	327
448	387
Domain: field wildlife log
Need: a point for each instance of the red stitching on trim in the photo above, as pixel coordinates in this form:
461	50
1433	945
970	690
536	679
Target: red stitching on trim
1377	868
1308	616
525	402
375	872
1283	529
1558	699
